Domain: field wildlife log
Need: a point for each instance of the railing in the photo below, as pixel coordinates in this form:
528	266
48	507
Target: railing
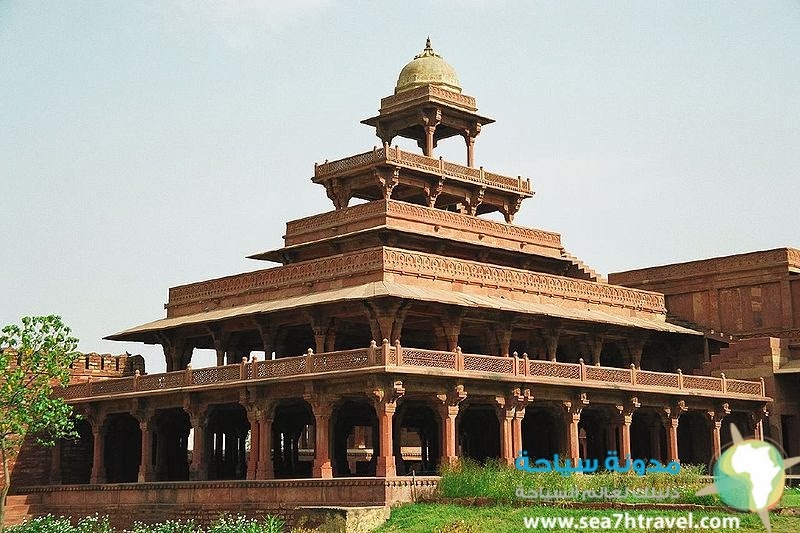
424	163
397	357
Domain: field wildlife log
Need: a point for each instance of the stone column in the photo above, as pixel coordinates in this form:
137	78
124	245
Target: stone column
255	442
516	430
386	464
572	411
505	415
669	417
98	450
448	406
146	462
265	468
550	337
573	444
198	470
623	420
322	454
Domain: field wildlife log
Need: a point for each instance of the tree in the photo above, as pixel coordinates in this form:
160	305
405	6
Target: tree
34	357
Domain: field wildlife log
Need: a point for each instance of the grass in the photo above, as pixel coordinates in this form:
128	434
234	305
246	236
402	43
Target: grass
443	518
499	482
466	481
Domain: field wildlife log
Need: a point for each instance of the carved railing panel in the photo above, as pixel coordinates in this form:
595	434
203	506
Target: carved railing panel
554	369
607	374
342	360
702	383
216	374
736	386
112	386
488	363
657	379
429	358
285	366
169	380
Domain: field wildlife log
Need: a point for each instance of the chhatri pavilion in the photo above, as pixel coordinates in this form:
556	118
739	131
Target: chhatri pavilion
402	330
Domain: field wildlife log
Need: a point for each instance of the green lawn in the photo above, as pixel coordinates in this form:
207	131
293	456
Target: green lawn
441	518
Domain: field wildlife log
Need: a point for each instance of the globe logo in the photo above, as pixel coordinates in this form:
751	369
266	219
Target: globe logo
750	476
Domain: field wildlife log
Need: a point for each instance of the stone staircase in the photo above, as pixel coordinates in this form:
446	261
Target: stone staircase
21	508
579	269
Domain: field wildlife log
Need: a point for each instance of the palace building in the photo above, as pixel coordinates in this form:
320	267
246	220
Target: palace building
404	330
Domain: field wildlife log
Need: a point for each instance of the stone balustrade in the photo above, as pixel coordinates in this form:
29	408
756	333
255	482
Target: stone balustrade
396	358
437	166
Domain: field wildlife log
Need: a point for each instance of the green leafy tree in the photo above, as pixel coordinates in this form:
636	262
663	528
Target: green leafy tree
34	358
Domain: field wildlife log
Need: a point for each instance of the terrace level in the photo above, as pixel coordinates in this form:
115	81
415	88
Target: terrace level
388	410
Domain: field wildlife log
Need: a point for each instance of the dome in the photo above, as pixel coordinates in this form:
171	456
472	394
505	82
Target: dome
427	68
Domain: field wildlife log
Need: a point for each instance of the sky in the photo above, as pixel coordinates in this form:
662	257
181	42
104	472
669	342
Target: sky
147	144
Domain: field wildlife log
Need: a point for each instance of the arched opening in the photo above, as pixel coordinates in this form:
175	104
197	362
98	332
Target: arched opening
76	455
170	445
596	435
742	423
479	433
122	448
417	447
227	433
542	432
295	340
293	439
352	333
694	439
354	439
611	355
648	436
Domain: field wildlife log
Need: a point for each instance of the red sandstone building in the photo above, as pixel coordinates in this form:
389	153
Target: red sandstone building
404	330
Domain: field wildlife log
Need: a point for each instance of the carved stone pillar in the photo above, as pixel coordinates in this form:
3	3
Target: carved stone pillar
520	398
385	400
669	417
253	417
594	343
451	326
146	463
265	469
322	454
220	339
505	415
715	417
572	411
386	318
756	423
635	348
198	417
550	337
98	422
448	411
623	419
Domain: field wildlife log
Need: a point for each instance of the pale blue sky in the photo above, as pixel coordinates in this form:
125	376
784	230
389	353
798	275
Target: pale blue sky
149	144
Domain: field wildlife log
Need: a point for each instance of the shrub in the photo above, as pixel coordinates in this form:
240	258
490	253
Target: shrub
242	524
52	524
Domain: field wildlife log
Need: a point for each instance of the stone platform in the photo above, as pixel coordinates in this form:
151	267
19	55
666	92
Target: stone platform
126	503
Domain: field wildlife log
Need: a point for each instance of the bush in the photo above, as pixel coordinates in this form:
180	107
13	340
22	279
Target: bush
242	524
51	524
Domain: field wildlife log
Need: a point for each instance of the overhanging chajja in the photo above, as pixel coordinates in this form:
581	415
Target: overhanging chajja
382	288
